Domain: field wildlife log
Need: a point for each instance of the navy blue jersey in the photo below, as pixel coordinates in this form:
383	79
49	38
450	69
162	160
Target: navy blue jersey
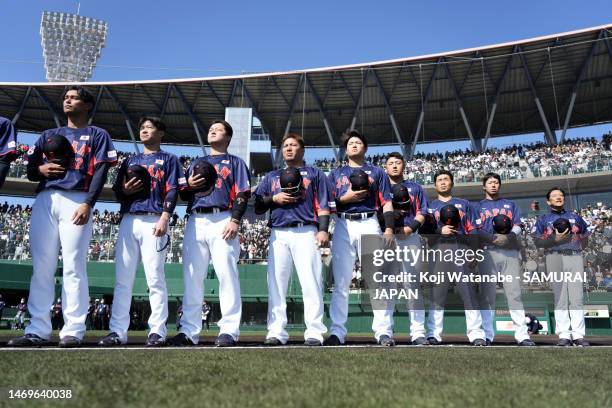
544	228
8	137
233	178
164	169
465	211
380	188
316	195
486	210
418	203
91	145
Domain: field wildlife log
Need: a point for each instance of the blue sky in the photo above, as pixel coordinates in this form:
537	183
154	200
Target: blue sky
215	38
157	40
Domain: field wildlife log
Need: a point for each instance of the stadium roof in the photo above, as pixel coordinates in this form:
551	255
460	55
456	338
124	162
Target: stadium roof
545	84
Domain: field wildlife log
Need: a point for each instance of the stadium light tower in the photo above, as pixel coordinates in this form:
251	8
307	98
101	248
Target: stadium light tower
71	45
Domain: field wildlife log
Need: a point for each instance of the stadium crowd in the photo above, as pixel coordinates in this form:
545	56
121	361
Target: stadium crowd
573	156
254	235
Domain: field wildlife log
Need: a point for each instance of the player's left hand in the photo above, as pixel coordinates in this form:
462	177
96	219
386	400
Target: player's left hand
162	226
407	231
81	214
322	239
389	238
230	231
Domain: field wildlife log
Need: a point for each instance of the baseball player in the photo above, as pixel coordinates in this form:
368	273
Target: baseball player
360	190
455	220
71	164
22	310
298	200
410	208
56	315
8	147
498	222
212	234
147	188
563	235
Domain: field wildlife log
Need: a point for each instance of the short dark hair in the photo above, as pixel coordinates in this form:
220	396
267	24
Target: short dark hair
489	175
84	94
295	136
442	173
157	122
226	125
394	155
349	133
554	189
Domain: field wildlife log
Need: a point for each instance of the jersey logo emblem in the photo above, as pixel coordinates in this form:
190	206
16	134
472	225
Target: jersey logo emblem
112	153
304	173
159	161
31	150
85	137
572	221
182	180
458	205
368	172
11	144
506	206
225	161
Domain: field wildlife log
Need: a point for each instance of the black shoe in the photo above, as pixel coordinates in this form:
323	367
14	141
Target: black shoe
488	342
333	340
479	343
155	340
527	343
225	340
420	341
272	342
564	343
111	340
181	340
386	341
29	340
433	341
313	343
581	343
70	342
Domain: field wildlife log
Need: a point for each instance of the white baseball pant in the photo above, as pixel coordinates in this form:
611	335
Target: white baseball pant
569	307
202	243
416	307
505	262
289	246
435	321
51	227
136	242
346	247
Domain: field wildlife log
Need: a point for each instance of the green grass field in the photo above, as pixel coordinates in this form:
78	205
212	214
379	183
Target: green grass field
322	377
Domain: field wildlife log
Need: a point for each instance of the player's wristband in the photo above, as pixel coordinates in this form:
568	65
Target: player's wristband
545	243
389	219
323	223
415	225
240	204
